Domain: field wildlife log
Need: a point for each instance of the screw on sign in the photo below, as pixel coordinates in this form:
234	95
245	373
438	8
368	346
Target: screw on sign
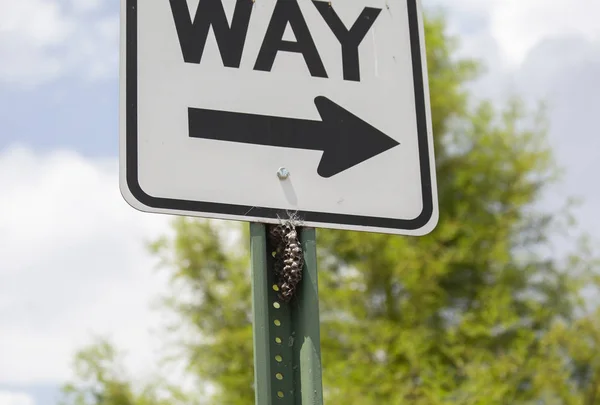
283	173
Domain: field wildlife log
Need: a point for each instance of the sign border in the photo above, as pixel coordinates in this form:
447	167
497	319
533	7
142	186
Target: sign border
243	212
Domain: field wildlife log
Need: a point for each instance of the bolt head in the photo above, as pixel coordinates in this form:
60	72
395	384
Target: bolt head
283	173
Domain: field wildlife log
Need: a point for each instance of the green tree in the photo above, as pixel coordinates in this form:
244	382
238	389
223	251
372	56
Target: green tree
478	312
102	380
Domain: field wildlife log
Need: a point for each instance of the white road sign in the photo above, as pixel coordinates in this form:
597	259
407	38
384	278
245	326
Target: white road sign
254	109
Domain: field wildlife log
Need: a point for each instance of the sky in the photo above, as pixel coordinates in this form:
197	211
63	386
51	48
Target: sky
73	262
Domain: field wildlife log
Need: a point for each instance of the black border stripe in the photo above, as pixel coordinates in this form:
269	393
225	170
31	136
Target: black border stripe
131	153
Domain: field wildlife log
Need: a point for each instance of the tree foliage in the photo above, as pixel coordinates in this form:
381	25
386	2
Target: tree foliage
478	312
102	380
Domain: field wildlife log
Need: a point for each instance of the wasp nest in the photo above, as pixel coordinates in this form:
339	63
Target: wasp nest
288	257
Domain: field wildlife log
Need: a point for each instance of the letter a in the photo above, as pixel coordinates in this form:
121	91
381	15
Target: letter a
288	11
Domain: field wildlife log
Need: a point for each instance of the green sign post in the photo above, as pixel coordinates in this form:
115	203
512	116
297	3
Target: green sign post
287	349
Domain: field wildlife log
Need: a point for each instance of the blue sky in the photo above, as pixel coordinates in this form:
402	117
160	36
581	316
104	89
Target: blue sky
73	259
64	114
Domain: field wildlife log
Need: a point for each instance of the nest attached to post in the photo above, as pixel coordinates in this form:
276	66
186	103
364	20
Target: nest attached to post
288	257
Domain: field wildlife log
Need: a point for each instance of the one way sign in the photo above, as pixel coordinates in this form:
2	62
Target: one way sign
256	109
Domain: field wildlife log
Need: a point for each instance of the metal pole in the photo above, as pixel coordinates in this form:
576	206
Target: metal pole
287	350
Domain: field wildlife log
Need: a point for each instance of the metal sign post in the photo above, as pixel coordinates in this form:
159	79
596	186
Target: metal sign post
287	349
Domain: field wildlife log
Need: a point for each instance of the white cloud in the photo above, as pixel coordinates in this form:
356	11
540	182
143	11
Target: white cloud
15	398
85	5
569	85
543	51
43	40
520	25
73	264
515	27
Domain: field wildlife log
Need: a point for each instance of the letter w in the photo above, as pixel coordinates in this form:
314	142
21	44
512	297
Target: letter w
192	35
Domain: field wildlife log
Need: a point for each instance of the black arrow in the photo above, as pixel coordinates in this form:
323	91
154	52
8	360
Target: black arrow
345	139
